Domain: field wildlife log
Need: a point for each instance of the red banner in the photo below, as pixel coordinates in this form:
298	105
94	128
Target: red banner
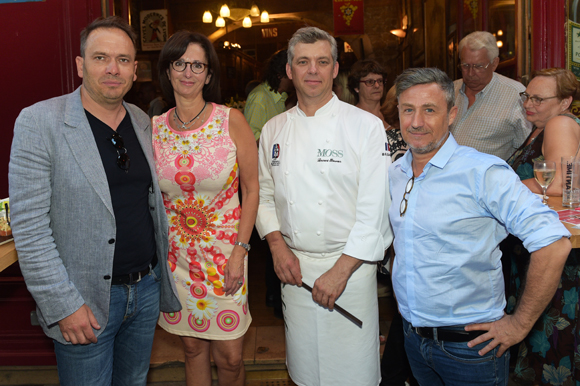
348	17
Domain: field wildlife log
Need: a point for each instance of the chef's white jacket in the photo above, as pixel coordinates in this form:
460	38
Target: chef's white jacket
323	181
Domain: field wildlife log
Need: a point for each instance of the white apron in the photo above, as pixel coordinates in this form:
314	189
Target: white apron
323	348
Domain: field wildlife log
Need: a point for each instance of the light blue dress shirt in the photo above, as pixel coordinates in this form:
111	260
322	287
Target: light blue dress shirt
447	269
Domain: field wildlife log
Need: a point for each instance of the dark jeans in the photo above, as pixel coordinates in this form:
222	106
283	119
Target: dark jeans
441	363
122	353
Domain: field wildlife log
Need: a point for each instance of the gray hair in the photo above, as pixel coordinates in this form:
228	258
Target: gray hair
310	35
416	76
480	39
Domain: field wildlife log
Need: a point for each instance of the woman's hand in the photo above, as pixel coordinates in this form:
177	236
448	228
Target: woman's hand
234	271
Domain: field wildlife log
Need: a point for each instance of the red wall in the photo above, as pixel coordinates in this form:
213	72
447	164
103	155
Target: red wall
39	43
548	34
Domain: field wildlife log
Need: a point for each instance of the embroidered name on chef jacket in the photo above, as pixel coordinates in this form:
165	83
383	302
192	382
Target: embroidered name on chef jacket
387	151
275	155
329	155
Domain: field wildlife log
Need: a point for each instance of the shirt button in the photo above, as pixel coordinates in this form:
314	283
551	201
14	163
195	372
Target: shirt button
322	172
319	202
296	232
286	172
323	254
319	233
291	202
111	241
328	141
287	143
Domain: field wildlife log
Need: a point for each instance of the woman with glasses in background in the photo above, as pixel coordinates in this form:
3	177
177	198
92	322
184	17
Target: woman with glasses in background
548	355
366	82
204	153
556	131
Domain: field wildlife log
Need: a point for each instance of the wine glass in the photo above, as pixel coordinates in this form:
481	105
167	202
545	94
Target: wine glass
544	173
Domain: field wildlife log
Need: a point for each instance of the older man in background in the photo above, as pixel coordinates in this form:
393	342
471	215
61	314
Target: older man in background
490	114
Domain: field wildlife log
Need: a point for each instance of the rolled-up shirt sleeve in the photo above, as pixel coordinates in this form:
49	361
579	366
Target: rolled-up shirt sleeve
521	211
371	233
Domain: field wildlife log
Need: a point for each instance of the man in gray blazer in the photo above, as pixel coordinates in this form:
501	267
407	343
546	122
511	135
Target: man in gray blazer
88	217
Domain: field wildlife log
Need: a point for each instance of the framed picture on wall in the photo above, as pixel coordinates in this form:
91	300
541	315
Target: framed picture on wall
154	31
144	73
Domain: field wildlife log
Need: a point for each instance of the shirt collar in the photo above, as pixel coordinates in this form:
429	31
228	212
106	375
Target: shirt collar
486	88
439	160
324	110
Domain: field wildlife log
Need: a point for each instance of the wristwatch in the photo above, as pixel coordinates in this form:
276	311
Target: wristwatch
243	245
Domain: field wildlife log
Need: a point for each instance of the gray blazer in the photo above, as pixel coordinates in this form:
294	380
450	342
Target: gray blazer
62	214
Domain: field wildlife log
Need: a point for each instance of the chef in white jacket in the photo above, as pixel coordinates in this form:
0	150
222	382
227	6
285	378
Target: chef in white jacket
324	212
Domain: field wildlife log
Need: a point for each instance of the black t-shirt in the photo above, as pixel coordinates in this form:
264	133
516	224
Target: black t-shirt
135	241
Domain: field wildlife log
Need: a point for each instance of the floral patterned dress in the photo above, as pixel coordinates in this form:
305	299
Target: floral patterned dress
550	354
199	177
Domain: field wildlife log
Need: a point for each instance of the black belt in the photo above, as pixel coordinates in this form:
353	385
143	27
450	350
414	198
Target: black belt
447	335
130	278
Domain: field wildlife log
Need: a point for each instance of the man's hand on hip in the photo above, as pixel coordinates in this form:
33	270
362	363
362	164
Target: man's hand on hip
330	285
286	264
77	328
504	332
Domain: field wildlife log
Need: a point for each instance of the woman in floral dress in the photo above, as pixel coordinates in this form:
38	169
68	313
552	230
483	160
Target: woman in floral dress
550	354
204	153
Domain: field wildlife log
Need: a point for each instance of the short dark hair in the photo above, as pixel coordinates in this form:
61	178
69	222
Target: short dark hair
361	69
174	49
107	22
276	69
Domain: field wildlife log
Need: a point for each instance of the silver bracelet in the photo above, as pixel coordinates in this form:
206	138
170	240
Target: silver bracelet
243	245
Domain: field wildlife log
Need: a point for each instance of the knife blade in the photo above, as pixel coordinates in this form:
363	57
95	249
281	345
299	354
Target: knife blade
339	309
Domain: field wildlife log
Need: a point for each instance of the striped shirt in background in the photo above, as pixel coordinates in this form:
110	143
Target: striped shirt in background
496	122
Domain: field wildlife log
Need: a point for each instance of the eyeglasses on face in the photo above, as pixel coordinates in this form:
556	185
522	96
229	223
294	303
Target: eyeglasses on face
476	67
534	99
196	67
372	82
123	161
408	188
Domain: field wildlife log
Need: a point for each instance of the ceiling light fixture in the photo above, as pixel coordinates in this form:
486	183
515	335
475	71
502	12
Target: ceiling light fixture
265	17
225	11
254	11
207	18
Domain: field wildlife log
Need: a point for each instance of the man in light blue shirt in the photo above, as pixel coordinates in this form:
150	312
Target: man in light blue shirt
456	206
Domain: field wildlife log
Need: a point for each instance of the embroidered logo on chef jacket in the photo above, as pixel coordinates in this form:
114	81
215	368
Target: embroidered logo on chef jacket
387	151
275	155
329	155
